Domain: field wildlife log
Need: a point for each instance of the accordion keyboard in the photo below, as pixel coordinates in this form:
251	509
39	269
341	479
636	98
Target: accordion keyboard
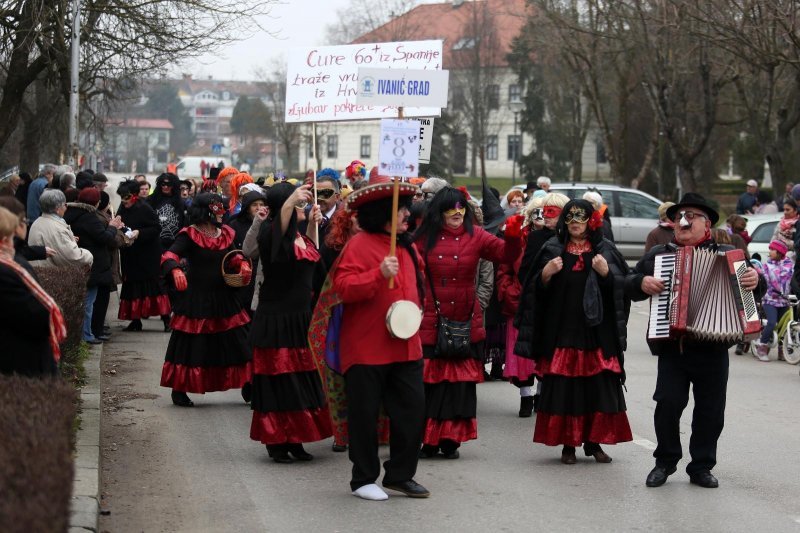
658	327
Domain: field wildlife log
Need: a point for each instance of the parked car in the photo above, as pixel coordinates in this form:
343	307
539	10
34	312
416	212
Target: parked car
761	228
633	213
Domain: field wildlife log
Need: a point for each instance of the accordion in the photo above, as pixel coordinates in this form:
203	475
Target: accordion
703	297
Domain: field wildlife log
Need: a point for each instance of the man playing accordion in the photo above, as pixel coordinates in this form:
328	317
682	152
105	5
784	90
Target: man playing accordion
681	362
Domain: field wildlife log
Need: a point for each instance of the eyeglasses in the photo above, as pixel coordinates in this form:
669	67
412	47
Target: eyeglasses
576	215
325	194
689	215
419	194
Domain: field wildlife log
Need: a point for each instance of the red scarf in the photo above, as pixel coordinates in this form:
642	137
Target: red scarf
787	224
58	329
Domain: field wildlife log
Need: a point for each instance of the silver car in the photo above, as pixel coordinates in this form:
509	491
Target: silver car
633	213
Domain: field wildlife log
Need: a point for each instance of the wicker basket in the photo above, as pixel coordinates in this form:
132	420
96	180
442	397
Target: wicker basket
234	280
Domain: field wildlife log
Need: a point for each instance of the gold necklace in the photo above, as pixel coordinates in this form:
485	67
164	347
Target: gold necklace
213	235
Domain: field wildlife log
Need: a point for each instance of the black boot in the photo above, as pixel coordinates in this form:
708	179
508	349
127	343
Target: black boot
135	325
525	406
428	451
165	320
497	371
247	392
181	399
279	453
298	452
536	398
450	449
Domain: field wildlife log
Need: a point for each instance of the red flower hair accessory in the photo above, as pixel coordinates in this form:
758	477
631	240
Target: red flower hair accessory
216	208
596	221
463	189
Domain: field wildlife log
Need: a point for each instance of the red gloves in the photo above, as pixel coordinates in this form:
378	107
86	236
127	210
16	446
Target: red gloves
514	226
179	279
247	272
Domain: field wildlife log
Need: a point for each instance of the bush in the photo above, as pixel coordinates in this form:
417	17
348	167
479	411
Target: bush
36	468
67	286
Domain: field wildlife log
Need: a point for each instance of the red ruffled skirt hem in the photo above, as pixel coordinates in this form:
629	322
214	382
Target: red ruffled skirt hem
455	430
274	361
571	430
291	426
209	325
144	307
574	362
200	380
452	370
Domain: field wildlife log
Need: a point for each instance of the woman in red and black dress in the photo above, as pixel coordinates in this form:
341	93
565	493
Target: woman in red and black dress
208	349
143	294
288	403
451	246
575	328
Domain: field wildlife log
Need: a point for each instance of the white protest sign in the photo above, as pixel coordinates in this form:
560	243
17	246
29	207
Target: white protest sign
322	81
402	88
425	138
398	153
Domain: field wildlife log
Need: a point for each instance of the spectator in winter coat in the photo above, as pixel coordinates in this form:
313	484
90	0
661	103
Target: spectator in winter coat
52	231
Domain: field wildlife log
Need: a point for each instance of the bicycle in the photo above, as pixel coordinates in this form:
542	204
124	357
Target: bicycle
786	335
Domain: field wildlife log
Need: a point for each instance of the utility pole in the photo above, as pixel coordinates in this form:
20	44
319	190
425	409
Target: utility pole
74	83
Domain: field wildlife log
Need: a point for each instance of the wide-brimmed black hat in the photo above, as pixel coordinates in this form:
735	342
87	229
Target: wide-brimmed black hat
692	199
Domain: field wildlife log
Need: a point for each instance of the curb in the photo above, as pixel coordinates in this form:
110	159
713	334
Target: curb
85	503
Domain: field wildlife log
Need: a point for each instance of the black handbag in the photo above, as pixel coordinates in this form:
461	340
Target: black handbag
453	336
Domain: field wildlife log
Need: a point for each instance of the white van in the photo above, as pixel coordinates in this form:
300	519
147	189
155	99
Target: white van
189	167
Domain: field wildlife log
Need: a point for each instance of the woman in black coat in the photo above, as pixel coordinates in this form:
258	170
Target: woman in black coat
166	201
31	325
96	237
241	222
143	294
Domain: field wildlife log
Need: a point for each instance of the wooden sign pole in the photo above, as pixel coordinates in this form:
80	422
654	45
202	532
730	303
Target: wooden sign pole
314	177
395	208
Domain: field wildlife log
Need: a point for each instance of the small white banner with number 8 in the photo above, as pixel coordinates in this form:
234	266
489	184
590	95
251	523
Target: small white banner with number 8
398	153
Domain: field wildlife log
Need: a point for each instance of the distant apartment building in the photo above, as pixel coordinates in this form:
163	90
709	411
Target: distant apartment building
137	145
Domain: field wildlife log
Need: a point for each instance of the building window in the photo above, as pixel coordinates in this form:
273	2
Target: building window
494	97
491	148
162	138
513	147
514	93
333	146
366	146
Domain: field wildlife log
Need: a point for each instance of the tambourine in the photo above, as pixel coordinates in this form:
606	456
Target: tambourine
403	319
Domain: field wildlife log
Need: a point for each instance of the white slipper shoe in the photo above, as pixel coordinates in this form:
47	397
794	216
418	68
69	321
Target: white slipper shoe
371	492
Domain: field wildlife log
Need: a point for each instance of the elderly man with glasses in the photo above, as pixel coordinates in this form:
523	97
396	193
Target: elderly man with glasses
685	361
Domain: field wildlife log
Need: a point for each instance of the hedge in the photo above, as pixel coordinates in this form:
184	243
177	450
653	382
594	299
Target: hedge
36	467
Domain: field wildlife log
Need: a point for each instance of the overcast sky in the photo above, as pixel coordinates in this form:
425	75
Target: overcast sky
296	23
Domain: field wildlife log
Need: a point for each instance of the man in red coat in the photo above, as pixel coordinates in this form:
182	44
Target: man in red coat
378	368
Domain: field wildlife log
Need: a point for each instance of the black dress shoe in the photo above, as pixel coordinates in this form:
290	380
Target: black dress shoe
410	488
181	399
568	455
705	479
339	447
298	452
103	337
93	341
526	407
658	476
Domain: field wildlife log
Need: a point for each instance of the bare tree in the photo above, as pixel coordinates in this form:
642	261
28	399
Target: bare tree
364	16
120	40
478	60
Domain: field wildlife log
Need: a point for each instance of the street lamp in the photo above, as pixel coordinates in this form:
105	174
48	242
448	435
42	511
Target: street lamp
515	106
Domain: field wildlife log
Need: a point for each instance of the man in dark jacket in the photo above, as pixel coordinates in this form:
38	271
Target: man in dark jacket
685	361
94	236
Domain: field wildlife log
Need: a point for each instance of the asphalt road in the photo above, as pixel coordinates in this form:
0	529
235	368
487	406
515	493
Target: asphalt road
172	469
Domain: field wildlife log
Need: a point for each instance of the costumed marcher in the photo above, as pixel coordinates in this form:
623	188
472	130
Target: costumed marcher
686	361
574	326
167	203
234	203
329	201
596	199
31	324
143	293
451	246
777	272
663	233
208	349
380	369
251	204
343	226
288	403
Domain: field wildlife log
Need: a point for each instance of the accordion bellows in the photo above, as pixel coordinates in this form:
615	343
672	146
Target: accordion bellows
703	297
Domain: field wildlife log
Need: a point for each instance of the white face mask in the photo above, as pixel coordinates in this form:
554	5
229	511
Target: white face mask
684	223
